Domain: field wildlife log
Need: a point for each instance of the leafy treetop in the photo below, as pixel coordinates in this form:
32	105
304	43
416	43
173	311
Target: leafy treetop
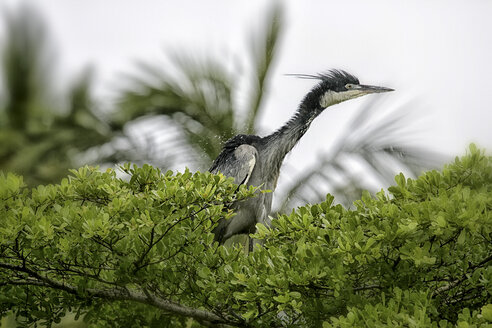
141	252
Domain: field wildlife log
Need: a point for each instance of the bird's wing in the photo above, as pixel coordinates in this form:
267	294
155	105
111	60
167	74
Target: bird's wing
238	163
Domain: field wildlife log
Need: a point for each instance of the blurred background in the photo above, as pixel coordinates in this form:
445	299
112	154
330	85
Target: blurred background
106	82
161	82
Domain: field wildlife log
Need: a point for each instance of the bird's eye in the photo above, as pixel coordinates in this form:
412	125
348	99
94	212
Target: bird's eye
348	86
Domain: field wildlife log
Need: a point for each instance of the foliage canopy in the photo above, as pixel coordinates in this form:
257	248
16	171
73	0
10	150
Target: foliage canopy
140	252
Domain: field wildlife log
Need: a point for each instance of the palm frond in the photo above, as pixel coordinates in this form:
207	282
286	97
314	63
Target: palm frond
263	47
83	115
25	62
198	95
382	148
146	140
198	98
41	138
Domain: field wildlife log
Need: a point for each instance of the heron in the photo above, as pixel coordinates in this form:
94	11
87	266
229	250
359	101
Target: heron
256	161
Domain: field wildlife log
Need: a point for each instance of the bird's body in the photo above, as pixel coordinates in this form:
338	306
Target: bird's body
256	161
243	159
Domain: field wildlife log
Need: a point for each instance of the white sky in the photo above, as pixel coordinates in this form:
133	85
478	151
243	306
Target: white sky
436	53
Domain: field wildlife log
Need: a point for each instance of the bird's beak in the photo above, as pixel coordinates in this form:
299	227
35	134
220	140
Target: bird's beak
366	89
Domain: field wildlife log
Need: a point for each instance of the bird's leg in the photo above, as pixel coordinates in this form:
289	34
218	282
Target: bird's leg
251	242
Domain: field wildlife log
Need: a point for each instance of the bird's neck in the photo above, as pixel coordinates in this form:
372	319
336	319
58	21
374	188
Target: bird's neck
284	139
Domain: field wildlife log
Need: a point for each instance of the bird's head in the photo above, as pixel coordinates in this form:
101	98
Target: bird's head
337	86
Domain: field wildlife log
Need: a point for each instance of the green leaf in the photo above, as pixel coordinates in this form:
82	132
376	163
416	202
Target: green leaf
282	298
487	312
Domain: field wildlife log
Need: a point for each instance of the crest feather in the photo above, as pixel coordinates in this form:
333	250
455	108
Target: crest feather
331	75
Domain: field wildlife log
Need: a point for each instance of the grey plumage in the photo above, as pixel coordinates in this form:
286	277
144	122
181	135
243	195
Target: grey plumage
254	160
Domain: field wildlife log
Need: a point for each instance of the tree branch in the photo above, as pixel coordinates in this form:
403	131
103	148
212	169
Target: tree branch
118	294
456	282
152	242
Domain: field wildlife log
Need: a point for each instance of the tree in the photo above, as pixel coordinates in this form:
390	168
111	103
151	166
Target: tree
44	133
205	100
382	146
200	95
39	138
140	252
